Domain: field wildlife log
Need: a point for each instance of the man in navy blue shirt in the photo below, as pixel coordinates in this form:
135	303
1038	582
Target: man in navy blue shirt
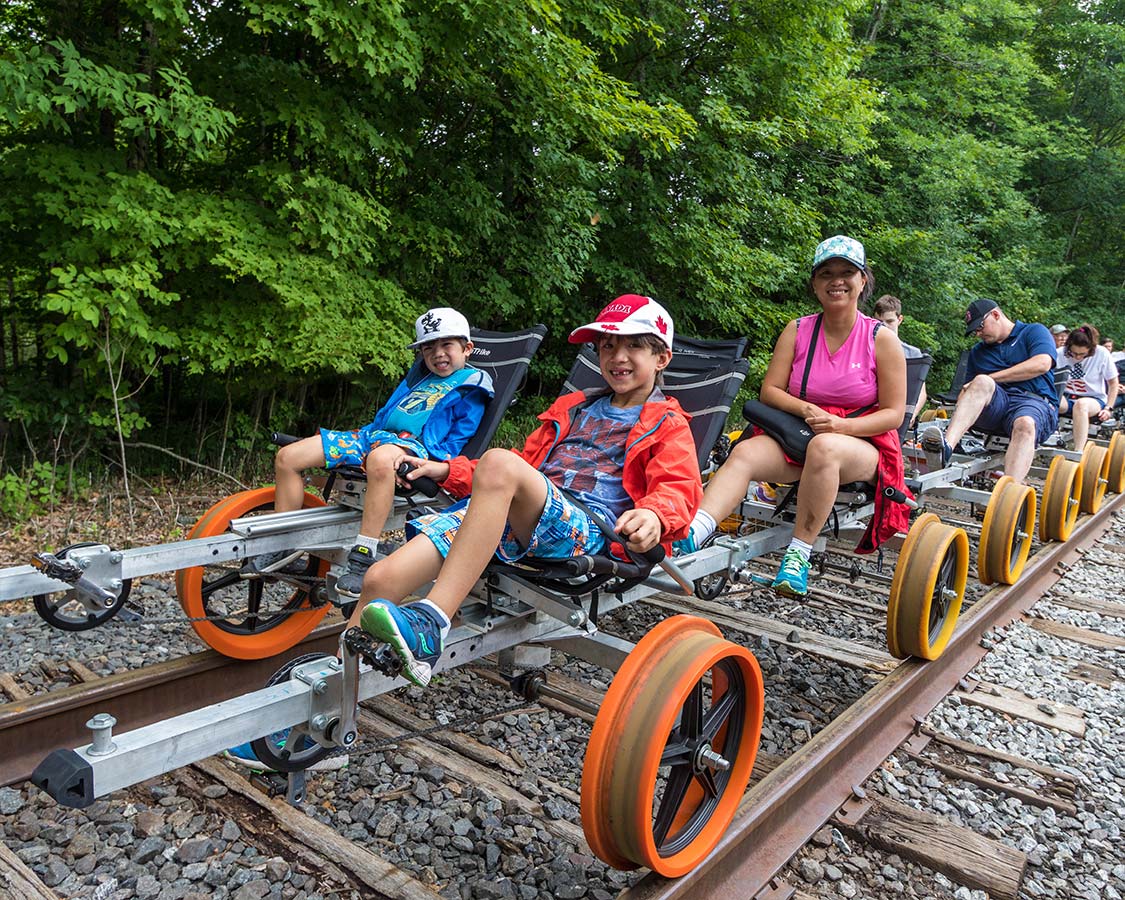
1009	389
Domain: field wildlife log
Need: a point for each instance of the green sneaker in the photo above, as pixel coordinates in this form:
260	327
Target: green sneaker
793	577
413	632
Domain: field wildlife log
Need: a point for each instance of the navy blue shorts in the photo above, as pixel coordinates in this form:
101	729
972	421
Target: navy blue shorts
1007	406
1070	398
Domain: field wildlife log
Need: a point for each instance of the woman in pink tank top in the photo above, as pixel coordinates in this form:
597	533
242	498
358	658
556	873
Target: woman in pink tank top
845	376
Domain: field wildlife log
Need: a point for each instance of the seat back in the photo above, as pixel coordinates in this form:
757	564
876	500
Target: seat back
704	377
917	369
959	374
505	355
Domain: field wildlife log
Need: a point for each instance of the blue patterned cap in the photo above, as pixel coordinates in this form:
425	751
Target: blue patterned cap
840	246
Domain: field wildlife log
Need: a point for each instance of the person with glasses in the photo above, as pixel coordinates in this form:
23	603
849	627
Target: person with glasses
1009	389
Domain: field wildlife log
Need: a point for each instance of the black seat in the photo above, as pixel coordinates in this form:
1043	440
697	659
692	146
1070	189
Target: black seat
505	356
959	374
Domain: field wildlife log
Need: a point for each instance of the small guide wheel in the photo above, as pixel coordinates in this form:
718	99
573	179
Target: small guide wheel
708	587
1115	476
1005	538
291	749
927	589
1095	478
672	748
1062	493
259	616
65	611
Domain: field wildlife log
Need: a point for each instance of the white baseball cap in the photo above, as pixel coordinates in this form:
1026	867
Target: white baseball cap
440	323
628	314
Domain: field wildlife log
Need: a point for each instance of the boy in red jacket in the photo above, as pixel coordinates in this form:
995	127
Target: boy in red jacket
626	453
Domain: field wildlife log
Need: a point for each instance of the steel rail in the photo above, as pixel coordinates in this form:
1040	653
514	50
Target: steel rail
32	728
782	811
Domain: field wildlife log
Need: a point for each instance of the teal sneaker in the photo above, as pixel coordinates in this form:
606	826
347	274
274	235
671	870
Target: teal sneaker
793	577
685	545
412	631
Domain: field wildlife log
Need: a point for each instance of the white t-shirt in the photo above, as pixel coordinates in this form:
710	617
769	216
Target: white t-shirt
1088	377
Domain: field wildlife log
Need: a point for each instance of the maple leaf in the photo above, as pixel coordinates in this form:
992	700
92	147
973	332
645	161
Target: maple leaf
661	324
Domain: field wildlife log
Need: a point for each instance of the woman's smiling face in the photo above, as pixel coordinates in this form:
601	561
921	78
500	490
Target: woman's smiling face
838	282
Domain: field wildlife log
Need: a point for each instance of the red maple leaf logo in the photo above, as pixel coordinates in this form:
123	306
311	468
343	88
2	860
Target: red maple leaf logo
661	324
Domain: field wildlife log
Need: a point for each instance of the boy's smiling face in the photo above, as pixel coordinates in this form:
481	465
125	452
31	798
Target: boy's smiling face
629	366
446	355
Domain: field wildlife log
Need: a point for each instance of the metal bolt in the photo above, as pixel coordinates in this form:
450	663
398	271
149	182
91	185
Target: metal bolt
102	727
320	687
713	760
319	722
84	562
116	557
115	584
948	593
1022	535
576	618
334	663
349	738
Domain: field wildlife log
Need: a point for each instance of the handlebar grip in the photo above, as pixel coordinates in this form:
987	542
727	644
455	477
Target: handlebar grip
894	494
424	484
282	439
654	556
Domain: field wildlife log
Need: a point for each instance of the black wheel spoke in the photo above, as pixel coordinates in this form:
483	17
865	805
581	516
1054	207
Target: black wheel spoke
209	587
707	780
253	604
719	714
691	716
676	752
675	790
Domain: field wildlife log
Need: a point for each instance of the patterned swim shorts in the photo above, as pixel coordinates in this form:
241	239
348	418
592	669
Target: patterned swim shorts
350	448
563	530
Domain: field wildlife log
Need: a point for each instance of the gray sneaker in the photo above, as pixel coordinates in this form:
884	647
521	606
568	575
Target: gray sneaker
935	448
351	582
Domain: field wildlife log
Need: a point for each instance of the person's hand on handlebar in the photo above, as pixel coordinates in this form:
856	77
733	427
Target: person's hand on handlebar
423	468
640	527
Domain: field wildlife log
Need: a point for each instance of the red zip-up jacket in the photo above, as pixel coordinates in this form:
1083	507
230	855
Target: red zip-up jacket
661	471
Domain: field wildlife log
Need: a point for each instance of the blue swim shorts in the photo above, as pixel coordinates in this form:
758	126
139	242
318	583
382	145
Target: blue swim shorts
350	448
563	530
1007	406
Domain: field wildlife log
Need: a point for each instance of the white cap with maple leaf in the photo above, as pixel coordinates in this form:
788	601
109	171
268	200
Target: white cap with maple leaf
628	314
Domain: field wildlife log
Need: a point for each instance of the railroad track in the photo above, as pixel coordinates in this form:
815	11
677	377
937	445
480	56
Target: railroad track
791	799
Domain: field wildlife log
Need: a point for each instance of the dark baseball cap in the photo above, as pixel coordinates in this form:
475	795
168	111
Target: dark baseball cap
977	312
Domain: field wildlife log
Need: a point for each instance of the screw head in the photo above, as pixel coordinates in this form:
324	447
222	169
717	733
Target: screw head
319	722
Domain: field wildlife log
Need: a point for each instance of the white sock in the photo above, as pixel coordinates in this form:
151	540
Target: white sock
442	617
801	547
702	527
372	544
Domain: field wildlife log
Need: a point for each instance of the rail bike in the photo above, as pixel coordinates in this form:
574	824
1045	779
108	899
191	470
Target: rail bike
674	741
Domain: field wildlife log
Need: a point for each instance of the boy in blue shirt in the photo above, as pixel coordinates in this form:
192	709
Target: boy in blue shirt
1009	389
431	415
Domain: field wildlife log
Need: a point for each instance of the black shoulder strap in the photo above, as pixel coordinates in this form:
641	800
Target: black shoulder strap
809	355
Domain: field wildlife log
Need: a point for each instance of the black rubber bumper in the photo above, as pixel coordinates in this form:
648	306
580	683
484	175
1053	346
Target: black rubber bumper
67	778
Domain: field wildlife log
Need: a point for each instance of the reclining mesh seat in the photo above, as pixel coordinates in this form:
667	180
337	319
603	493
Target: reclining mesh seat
705	377
504	355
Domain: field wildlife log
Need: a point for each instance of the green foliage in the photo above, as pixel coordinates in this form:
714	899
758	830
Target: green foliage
30	492
220	218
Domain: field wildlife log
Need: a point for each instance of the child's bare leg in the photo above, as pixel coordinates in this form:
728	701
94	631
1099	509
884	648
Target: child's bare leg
506	489
288	466
1084	409
380	497
399	574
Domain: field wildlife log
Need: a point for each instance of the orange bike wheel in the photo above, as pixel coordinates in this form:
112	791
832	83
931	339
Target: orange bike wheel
1115	476
1005	539
684	704
1062	493
1095	478
927	589
260	616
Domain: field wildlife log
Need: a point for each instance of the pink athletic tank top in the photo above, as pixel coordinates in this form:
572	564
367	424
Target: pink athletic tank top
845	378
